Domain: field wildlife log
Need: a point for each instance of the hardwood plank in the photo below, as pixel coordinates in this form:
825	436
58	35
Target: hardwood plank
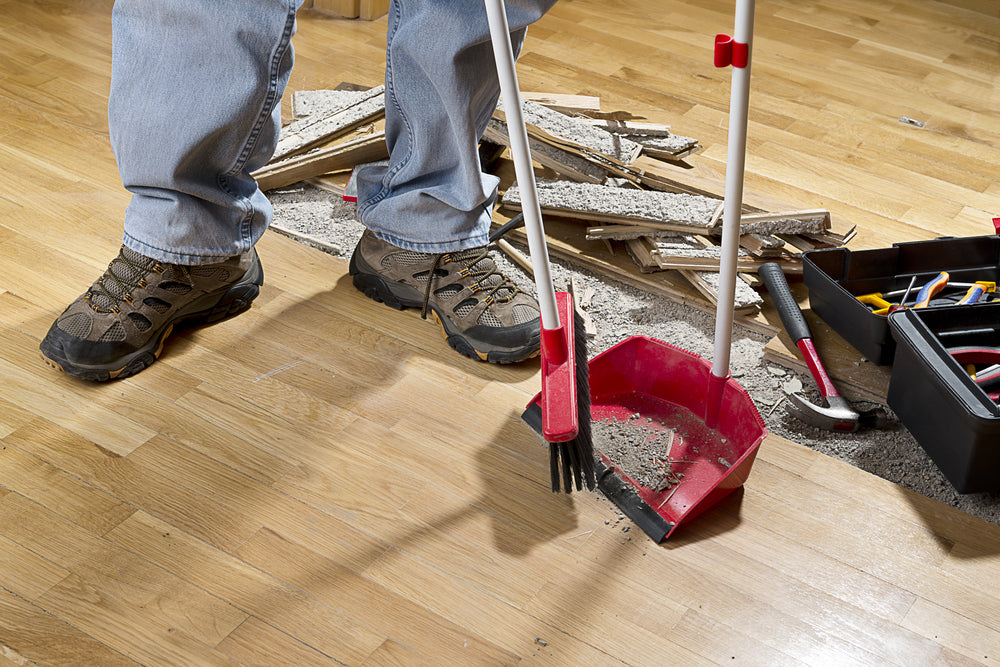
323	627
26	574
30	633
259	644
296	520
400	619
509	627
90	507
124	627
132	486
393	654
962	636
117	572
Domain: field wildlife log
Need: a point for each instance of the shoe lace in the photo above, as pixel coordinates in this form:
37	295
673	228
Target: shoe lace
479	266
126	273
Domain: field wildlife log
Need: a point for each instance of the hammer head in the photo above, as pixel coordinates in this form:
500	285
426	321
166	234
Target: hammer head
835	414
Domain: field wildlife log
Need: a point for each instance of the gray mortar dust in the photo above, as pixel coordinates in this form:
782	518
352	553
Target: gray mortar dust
619	311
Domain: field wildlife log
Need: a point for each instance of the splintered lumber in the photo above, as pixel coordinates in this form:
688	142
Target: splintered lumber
762	245
567	241
560	130
368	148
813	221
686	252
656	139
306	133
627	232
746	300
630	127
557	159
667	148
608	204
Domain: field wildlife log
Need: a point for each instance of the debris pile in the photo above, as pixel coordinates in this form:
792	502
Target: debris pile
604	186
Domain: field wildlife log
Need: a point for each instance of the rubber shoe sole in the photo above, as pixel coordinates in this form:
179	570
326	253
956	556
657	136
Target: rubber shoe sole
209	309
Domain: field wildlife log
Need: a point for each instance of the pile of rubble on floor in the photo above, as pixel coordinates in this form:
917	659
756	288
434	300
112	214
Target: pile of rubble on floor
607	187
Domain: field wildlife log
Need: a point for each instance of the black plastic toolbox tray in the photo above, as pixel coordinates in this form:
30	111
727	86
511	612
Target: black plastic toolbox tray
951	417
836	276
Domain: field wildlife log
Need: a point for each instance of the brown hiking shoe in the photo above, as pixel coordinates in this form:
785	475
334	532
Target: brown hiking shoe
483	314
118	326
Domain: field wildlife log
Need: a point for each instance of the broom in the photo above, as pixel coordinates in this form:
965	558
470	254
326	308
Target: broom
565	398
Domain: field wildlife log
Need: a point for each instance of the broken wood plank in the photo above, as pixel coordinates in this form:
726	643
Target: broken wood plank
558	160
324	101
306	133
687	253
762	245
573	135
663	210
746	300
580	297
626	232
368	148
566	241
812	221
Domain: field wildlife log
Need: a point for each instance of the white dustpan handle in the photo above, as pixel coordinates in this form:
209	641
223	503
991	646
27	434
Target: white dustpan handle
739	100
504	54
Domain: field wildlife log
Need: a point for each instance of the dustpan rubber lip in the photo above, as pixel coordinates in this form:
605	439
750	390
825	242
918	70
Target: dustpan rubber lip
628	501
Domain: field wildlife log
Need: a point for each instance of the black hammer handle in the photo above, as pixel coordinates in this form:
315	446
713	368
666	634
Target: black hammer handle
788	308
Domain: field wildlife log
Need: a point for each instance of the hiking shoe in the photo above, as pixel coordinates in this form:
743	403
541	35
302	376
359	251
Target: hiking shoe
118	326
482	313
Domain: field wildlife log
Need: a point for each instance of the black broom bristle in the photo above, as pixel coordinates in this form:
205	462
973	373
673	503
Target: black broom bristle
577	455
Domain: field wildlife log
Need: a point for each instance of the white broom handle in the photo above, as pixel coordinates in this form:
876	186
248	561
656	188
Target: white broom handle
503	52
739	101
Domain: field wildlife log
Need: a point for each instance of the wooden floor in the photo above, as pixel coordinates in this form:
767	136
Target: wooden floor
322	481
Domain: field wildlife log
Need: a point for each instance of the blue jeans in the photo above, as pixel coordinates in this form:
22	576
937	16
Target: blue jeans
195	108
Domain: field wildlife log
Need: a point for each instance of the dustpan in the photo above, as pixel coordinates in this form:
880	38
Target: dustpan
714	427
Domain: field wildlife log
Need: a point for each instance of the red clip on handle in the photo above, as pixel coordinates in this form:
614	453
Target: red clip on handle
730	52
996	224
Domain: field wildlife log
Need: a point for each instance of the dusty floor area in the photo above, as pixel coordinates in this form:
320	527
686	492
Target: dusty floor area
619	311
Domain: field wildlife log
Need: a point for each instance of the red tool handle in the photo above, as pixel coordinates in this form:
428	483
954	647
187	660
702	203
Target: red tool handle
795	324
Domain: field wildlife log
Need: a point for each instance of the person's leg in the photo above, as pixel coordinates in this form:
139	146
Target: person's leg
428	211
195	103
195	107
441	89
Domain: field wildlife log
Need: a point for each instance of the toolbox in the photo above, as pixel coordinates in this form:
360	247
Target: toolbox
950	415
835	277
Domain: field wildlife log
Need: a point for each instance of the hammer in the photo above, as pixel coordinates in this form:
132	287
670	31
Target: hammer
836	414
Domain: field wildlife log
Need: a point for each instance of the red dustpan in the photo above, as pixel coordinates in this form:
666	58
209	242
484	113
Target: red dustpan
714	427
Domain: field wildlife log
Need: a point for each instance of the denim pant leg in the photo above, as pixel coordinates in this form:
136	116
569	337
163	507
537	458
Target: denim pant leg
195	107
441	89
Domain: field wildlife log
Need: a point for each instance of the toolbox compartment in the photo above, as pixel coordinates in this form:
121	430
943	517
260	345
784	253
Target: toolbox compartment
836	276
952	418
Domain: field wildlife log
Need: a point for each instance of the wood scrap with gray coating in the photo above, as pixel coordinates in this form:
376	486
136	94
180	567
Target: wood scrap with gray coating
306	133
663	210
560	130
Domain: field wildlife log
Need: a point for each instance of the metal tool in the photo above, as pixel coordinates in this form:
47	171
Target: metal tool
836	414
